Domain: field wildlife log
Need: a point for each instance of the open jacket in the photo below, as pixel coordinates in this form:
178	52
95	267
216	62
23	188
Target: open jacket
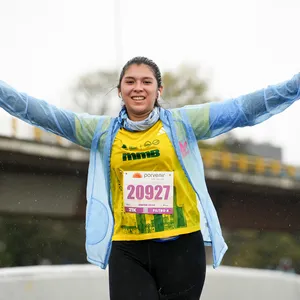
184	127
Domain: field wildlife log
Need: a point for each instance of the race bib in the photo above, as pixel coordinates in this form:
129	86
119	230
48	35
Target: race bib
148	192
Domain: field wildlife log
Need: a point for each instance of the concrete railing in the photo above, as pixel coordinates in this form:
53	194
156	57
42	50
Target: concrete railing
78	282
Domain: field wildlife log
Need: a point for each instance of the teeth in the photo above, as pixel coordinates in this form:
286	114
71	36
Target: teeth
138	98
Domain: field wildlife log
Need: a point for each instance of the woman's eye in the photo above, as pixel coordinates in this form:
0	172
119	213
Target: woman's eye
147	82
129	81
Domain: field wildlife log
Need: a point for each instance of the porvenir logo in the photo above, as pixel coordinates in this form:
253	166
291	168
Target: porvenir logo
152	175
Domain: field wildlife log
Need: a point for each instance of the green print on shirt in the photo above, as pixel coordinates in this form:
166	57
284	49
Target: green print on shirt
141	223
129	229
179	219
140	155
158	223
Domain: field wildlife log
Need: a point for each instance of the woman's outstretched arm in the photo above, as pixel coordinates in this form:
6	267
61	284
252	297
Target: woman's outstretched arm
78	128
212	119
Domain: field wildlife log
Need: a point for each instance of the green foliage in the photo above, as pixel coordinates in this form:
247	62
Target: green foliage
91	92
184	87
30	241
261	249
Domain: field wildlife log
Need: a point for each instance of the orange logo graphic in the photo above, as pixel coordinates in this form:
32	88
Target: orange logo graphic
137	175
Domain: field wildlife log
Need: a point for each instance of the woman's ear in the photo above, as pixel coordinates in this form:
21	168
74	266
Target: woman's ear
160	91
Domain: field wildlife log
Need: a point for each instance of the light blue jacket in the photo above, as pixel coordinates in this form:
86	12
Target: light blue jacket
184	126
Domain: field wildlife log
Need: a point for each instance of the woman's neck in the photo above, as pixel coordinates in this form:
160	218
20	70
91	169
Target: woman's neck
138	117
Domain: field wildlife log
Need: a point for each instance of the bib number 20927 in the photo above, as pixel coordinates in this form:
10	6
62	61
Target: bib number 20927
149	192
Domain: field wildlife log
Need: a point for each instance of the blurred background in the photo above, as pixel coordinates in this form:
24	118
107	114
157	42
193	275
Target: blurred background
70	53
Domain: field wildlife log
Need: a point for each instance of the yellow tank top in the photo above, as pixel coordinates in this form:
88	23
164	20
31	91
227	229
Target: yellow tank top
150	150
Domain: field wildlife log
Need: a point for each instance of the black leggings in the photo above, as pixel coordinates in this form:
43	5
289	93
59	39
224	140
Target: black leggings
152	270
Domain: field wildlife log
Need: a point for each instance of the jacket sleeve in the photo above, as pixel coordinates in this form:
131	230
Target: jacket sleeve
212	119
78	128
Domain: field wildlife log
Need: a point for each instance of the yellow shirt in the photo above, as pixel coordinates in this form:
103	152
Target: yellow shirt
159	156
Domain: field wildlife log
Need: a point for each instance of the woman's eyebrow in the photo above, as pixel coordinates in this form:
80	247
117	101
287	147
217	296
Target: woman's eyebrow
132	77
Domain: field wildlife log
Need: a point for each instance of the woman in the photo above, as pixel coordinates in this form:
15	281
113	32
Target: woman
146	189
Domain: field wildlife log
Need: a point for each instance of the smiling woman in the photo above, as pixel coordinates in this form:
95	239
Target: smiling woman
151	228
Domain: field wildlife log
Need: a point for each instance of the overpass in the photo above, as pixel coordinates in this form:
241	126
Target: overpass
48	179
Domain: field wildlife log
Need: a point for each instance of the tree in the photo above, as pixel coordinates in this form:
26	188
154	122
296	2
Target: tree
261	249
184	86
30	240
91	93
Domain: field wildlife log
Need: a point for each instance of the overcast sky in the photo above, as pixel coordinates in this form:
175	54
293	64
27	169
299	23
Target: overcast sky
241	45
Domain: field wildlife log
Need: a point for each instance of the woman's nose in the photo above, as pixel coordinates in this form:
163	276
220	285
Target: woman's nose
138	86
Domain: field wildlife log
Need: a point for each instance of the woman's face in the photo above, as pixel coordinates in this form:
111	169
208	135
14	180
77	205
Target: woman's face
139	91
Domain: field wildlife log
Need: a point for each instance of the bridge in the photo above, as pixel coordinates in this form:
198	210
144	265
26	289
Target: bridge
48	179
